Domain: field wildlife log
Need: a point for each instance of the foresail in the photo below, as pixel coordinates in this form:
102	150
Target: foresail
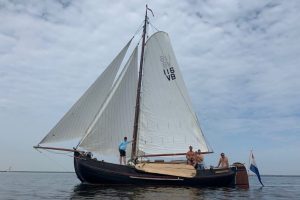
167	121
76	121
115	120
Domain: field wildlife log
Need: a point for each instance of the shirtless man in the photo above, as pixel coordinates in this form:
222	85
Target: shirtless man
190	156
223	162
199	164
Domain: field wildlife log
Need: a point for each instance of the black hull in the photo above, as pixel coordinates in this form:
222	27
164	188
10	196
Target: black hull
100	172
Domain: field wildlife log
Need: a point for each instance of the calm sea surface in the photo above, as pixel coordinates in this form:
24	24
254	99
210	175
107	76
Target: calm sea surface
18	185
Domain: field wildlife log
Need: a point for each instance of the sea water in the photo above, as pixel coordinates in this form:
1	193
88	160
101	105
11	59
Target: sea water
28	185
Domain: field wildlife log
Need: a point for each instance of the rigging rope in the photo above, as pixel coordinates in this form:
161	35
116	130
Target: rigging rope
139	29
153	26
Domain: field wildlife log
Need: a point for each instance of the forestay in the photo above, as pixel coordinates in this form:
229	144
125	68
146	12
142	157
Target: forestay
167	121
76	121
115	119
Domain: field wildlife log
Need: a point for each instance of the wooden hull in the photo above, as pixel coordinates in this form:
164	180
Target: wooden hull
100	172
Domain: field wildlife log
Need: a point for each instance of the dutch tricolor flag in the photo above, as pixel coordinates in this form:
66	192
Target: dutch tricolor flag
253	167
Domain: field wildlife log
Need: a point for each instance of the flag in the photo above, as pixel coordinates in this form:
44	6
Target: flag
150	10
253	167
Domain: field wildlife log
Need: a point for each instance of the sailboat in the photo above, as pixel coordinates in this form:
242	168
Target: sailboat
150	105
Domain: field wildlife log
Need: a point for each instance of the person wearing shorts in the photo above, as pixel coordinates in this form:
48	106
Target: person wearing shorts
122	150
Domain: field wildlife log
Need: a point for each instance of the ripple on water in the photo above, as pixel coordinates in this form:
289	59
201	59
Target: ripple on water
66	186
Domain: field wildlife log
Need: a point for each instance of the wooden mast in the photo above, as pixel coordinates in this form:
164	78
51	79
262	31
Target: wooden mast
137	106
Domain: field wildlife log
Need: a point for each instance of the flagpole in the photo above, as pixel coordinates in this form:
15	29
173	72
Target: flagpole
250	157
253	167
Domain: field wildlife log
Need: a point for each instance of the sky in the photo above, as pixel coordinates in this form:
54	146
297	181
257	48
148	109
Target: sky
240	61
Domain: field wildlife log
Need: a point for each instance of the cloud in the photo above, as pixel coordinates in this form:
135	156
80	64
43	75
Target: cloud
239	60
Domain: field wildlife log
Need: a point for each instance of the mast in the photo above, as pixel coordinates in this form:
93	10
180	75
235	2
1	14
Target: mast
137	106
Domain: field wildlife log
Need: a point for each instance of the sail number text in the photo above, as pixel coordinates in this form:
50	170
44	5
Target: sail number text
168	70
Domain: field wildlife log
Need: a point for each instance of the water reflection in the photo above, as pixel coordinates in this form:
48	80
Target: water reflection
85	191
37	186
275	187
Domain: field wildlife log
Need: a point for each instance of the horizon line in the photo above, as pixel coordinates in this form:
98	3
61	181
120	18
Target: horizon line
28	171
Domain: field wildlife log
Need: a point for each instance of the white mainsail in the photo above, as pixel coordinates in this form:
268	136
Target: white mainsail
167	121
76	121
115	119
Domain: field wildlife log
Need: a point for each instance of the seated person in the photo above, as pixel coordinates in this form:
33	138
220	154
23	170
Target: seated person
199	160
190	155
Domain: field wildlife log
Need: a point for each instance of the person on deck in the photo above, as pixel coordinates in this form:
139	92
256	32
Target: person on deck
199	160
190	155
122	150
223	162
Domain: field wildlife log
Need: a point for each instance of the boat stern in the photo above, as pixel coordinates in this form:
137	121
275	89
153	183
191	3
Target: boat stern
241	177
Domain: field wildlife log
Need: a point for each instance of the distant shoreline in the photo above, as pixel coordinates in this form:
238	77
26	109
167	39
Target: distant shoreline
36	172
277	175
74	172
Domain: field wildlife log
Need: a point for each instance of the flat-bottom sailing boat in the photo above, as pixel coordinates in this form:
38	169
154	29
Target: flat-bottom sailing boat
153	105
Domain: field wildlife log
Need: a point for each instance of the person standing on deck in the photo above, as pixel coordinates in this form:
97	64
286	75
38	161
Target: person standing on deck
122	150
199	160
190	155
223	162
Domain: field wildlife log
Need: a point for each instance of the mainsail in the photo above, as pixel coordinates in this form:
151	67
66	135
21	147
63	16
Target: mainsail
167	121
115	119
76	121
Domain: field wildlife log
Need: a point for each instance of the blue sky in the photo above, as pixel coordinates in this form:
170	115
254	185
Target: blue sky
240	61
